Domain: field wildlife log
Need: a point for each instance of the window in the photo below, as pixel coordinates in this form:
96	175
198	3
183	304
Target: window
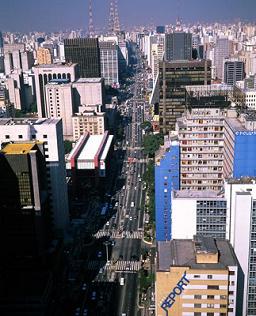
197	314
44	136
210	297
210	314
223	297
20	136
7	136
196	276
210	305
212	287
223	306
209	276
33	136
197	305
232	272
198	297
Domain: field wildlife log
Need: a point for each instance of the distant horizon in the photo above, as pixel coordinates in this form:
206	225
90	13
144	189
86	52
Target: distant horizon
57	15
186	24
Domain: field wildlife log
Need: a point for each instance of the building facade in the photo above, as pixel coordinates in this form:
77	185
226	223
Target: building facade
50	132
89	119
86	53
109	63
166	180
233	71
44	74
173	77
196	277
43	56
59	103
89	91
229	214
178	46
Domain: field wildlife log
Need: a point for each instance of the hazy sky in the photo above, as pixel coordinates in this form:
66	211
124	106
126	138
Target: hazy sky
51	15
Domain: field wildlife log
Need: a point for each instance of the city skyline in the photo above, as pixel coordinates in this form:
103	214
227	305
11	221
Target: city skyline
33	16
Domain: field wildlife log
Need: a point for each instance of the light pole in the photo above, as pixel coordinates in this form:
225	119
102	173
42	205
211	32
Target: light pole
107	243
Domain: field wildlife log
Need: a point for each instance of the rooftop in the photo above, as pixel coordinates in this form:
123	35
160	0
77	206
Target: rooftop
59	81
91	147
18	148
89	80
57	65
236	125
179	194
242	180
28	121
106	148
182	252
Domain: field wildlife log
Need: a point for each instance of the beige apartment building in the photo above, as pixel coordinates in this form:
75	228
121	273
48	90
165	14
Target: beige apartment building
196	277
43	56
89	119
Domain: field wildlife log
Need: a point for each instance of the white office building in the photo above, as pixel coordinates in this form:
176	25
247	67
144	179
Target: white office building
44	74
230	214
59	104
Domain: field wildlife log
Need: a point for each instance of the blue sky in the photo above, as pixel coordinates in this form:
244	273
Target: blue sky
50	15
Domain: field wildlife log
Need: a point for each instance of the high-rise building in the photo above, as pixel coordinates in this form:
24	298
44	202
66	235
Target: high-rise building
228	214
160	29
44	74
89	91
167	167
178	46
1	41
196	277
43	56
201	136
233	71
222	50
25	215
109	62
60	104
50	132
173	77
86	53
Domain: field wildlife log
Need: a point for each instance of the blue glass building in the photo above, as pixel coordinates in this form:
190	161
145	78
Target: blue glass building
244	154
166	179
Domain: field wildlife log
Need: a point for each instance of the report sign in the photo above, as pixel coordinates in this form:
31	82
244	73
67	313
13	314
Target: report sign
176	291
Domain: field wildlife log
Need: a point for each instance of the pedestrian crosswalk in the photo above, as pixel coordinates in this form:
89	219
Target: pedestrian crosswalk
127	266
118	266
117	234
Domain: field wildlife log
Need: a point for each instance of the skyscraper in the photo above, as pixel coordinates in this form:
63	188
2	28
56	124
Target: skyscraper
178	46
222	50
173	77
233	71
86	53
109	62
24	201
1	41
48	131
44	74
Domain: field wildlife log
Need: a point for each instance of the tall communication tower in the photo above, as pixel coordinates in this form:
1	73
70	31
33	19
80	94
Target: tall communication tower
113	23
116	20
90	26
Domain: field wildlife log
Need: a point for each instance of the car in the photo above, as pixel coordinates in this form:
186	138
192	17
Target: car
116	204
84	287
130	218
113	243
93	297
85	312
107	223
99	254
101	270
